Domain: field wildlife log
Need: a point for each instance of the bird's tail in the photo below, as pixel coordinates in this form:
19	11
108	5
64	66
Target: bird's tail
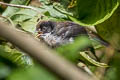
93	35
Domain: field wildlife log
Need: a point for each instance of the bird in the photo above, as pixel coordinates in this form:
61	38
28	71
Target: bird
55	34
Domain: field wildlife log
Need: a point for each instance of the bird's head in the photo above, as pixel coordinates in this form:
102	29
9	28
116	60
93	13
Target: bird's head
44	30
45	27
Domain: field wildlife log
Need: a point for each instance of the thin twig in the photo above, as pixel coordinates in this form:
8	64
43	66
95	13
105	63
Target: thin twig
20	6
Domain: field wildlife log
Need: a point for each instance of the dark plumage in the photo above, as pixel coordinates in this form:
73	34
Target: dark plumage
55	34
59	33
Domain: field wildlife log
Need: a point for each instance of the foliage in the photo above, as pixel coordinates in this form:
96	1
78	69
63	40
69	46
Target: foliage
95	11
33	73
104	14
109	30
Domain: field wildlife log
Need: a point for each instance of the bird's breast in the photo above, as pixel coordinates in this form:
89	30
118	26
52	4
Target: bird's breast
54	40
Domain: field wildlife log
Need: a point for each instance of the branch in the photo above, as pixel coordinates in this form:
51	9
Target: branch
43	54
20	6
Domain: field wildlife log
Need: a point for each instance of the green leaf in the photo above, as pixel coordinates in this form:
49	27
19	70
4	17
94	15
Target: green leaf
95	11
15	56
110	29
78	22
27	18
30	25
33	73
23	14
53	12
92	61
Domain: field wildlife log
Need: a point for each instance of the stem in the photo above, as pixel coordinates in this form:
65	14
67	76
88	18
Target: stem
20	6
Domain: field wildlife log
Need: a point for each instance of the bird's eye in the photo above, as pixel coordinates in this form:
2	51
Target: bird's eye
44	29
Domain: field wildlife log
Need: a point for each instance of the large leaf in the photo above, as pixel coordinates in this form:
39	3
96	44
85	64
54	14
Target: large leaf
95	11
110	29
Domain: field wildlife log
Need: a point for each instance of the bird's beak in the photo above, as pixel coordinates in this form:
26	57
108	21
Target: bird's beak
39	33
